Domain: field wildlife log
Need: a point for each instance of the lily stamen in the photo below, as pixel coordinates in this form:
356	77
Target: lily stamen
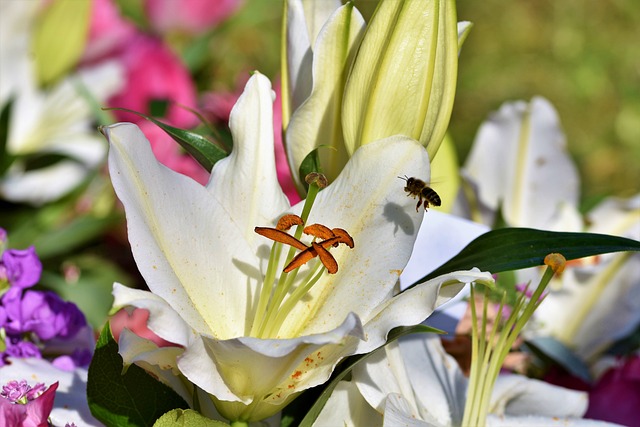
275	300
332	238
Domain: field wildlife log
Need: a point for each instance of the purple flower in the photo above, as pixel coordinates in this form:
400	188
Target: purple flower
23	349
14	390
22	267
44	314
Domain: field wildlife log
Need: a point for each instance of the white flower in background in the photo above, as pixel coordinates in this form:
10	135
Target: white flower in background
596	301
70	405
52	126
416	383
210	273
519	165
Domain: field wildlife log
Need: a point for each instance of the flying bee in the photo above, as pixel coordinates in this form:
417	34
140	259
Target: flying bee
417	188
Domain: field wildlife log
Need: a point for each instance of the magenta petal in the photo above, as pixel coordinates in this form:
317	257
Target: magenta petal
12	414
23	267
38	410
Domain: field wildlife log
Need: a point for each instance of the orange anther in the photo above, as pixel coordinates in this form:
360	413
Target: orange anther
319	230
280	236
288	221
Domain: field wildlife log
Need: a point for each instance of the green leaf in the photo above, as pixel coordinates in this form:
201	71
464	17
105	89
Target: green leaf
73	235
348	366
560	354
131	399
5	158
200	148
60	37
186	418
515	248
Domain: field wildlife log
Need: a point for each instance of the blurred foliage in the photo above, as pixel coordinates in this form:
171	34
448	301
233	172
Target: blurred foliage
580	55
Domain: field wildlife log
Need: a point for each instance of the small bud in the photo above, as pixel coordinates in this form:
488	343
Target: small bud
556	261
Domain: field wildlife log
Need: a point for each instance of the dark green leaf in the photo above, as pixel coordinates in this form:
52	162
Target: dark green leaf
200	148
560	354
509	249
348	366
131	399
5	158
186	418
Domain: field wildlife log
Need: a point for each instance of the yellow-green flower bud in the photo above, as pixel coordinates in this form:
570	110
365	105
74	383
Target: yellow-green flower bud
59	38
404	77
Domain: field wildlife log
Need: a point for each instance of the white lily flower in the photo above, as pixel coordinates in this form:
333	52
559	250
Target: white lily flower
416	383
198	252
70	405
597	303
519	164
52	122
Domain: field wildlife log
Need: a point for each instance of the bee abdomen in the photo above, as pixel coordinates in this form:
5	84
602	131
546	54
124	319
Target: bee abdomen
431	196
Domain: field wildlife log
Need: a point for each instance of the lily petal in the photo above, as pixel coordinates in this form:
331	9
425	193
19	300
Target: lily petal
519	157
165	212
317	121
516	394
368	201
303	21
413	306
348	409
245	183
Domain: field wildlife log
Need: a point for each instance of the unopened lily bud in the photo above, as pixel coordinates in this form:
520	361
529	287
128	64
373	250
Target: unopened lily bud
404	77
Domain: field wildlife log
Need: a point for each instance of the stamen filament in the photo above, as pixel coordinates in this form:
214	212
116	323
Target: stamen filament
267	287
271	296
312	278
487	357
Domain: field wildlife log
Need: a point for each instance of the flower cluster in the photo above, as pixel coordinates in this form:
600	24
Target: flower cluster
24	405
38	323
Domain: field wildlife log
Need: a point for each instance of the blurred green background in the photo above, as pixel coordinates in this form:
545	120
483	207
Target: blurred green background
582	55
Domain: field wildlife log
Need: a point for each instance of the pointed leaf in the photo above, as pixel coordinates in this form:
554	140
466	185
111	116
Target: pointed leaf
132	399
200	148
515	248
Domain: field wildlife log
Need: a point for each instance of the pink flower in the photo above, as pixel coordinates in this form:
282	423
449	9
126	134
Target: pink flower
154	73
108	31
188	16
136	322
616	395
30	409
